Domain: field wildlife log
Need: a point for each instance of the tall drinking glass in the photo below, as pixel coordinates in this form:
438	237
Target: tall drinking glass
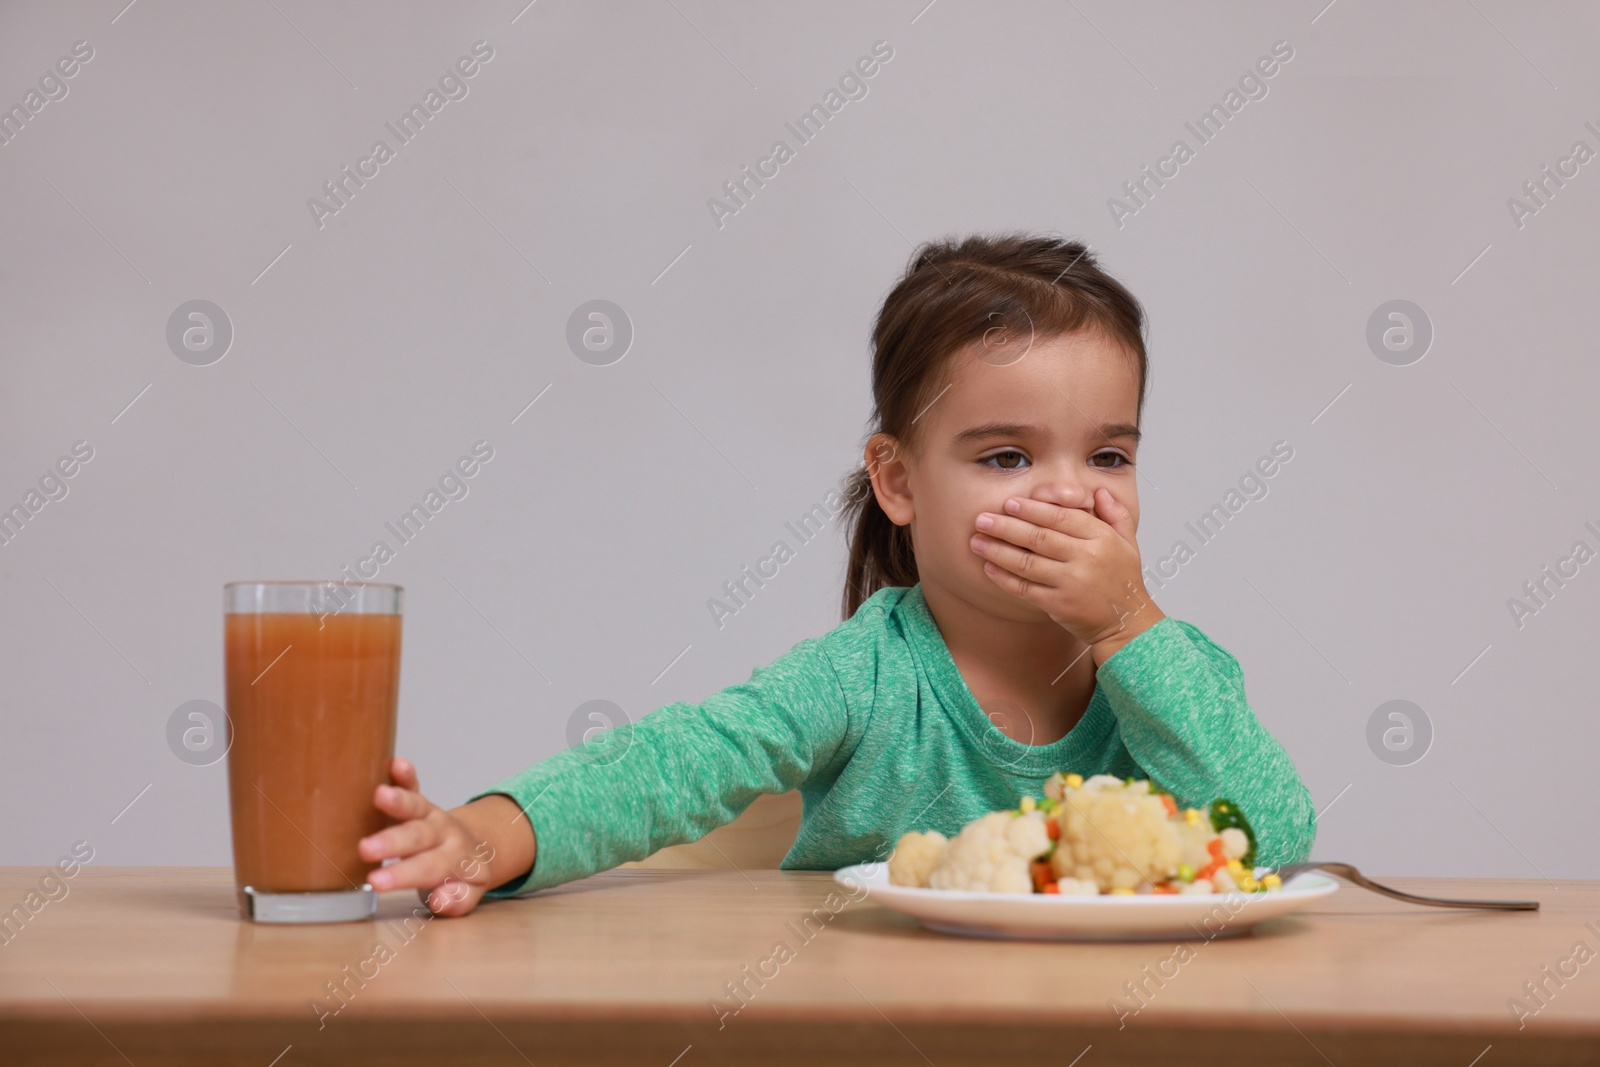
313	679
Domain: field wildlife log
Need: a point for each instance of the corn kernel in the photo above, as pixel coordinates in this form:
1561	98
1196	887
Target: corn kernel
1074	781
1121	891
1271	881
1191	816
1235	867
1247	883
1028	803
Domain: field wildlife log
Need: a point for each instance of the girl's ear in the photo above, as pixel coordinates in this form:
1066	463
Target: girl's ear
891	479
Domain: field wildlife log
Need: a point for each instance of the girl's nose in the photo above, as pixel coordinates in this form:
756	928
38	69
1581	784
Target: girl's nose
1065	493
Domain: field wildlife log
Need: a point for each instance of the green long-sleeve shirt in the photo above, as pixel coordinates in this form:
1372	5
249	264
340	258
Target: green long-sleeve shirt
874	725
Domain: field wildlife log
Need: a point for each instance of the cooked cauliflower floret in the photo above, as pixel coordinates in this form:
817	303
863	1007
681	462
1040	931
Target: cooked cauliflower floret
991	854
1058	784
1116	835
1192	840
1088	836
1234	843
914	857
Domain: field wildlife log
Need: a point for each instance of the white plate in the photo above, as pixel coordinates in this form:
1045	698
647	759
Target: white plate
1140	917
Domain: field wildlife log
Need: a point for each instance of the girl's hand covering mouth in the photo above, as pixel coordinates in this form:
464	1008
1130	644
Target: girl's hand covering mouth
1081	568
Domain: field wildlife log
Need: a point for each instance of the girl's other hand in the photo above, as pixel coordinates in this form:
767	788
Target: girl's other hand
445	855
1082	568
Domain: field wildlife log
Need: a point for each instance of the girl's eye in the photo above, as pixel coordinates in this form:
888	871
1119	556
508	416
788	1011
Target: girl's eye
1004	466
1004	461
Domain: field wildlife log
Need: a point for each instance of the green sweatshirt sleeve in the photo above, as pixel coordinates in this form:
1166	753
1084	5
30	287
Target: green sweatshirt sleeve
679	772
1180	704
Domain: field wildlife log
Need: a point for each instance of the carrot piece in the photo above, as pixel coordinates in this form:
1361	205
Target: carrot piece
1052	829
1040	871
1051	887
1214	846
1170	804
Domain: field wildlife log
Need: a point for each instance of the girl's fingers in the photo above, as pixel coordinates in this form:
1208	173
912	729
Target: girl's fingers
1008	581
404	773
1029	535
406	839
1018	561
401	803
1115	514
422	871
1074	522
451	897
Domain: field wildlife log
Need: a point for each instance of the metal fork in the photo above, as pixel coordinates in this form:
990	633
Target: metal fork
1345	870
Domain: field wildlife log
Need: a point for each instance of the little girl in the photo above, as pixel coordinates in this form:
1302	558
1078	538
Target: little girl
997	626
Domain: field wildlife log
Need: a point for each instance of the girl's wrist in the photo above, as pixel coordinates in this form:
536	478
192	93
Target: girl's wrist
498	822
1132	627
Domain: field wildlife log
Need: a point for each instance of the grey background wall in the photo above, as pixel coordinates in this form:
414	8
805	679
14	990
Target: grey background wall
374	345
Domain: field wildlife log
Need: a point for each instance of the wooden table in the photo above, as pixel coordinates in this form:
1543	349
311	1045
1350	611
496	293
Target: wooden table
152	966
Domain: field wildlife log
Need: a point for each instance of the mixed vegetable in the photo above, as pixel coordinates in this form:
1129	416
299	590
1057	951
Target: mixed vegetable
1101	835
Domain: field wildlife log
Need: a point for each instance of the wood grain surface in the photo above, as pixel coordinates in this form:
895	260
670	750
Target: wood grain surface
153	966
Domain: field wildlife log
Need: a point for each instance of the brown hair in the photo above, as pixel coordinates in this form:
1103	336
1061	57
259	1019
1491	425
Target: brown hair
952	294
